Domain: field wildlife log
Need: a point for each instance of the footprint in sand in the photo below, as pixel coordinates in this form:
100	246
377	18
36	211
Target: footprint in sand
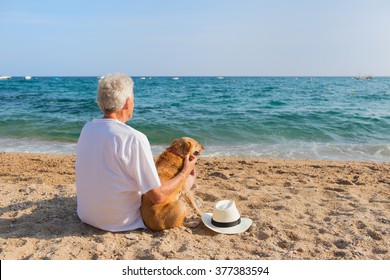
219	175
341	244
380	251
360	225
374	235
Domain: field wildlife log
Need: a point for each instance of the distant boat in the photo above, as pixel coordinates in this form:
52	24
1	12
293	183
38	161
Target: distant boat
5	77
143	78
27	77
364	78
220	78
175	78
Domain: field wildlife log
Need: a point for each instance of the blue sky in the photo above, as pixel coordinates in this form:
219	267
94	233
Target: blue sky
214	37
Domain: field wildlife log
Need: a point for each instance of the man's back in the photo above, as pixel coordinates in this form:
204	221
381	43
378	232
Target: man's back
114	166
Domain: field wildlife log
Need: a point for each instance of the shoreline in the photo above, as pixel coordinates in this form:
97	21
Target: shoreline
301	209
288	150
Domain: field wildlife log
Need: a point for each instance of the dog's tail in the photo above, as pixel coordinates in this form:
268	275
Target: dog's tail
191	201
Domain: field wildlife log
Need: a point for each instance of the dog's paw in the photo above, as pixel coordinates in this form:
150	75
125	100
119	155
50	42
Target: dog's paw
192	224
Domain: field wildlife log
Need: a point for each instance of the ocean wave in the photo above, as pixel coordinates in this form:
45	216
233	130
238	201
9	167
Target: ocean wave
288	150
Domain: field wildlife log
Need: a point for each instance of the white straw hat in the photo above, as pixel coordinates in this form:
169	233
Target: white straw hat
226	218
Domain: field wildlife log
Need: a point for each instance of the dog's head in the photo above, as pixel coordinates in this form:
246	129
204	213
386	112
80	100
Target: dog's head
186	146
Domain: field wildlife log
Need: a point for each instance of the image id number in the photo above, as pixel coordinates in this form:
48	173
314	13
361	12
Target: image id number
237	270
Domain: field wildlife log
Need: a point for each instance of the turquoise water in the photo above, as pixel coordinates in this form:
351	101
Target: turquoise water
338	118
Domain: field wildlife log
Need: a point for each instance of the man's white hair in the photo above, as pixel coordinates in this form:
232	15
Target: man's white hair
113	91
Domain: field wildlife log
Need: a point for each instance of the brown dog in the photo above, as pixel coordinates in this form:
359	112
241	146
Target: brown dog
172	212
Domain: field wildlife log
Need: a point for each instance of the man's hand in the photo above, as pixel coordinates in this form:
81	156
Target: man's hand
189	165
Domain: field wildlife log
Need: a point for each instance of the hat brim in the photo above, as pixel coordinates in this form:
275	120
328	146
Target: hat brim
243	226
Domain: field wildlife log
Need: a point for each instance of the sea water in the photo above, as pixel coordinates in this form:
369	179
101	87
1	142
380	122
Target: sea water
337	118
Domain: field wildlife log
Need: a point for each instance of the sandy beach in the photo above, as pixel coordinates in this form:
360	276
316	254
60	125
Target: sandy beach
300	210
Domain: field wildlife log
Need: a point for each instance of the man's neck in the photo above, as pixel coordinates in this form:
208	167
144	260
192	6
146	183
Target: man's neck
116	116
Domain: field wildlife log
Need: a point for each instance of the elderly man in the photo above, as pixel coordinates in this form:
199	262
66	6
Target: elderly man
115	166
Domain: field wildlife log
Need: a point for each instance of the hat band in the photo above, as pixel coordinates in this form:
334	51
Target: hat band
226	225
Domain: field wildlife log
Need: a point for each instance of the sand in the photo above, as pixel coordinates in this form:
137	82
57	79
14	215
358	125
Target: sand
300	210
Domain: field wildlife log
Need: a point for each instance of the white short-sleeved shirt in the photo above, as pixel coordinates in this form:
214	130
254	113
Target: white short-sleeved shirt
114	167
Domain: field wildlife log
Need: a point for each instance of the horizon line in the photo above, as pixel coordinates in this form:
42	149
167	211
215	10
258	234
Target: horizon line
206	76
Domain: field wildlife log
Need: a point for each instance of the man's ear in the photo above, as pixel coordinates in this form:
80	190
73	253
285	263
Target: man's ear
128	103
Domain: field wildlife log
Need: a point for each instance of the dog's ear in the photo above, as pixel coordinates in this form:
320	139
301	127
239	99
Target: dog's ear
181	146
188	147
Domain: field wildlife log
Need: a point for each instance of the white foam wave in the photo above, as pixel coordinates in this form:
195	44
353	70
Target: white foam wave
29	145
288	150
302	150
